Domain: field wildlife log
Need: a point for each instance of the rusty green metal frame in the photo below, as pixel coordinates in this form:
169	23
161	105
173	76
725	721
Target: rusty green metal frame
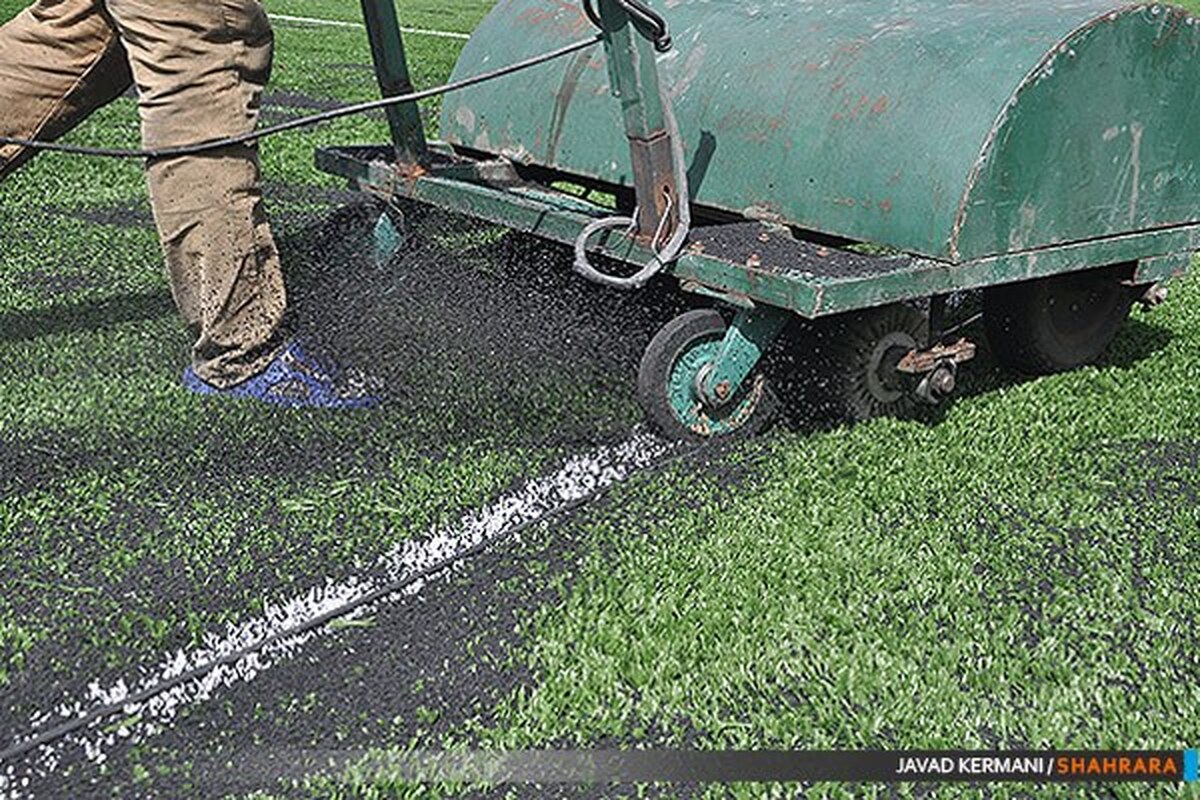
500	192
557	216
954	131
752	332
391	70
492	191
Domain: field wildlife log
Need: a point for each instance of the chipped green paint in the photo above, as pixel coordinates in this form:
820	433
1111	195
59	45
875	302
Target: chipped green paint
993	144
752	332
391	70
1102	139
954	131
1159	254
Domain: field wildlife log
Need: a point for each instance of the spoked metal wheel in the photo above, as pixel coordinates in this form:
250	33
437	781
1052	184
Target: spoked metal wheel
1058	323
669	379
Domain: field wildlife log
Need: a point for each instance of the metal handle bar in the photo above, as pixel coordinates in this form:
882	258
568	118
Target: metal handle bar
648	22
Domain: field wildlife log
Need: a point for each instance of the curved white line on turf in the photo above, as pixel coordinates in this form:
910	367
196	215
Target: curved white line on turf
339	23
578	479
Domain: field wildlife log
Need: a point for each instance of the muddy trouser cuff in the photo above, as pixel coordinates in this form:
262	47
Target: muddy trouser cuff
201	69
222	260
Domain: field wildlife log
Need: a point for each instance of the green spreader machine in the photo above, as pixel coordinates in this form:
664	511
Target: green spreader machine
852	162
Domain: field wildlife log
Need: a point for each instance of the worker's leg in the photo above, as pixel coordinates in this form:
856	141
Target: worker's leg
59	60
200	67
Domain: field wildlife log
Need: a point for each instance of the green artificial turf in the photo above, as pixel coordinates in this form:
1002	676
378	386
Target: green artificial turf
91	353
1018	574
460	16
1015	576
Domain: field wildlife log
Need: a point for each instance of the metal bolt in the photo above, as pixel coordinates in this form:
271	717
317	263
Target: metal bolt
1155	296
943	382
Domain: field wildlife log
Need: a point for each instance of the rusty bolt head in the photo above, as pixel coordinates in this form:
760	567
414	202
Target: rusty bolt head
943	382
1155	296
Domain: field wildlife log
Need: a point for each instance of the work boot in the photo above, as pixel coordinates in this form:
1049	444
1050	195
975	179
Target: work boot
294	379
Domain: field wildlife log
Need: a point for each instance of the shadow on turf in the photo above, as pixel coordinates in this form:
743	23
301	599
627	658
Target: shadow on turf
85	315
1137	341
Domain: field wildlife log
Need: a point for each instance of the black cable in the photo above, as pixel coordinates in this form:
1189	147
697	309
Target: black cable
303	122
111	709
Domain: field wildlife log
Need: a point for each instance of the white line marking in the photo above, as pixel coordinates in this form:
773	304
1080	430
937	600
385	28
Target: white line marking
338	23
579	478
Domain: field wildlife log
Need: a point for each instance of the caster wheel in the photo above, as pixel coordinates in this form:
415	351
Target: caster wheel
864	350
668	379
1058	323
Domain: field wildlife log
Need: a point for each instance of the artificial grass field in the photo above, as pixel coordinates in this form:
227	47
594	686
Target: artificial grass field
1019	574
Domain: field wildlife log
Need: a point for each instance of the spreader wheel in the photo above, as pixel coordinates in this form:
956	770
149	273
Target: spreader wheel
866	348
668	381
1057	323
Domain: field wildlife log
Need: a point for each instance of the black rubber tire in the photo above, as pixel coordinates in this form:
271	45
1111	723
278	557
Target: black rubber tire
1058	323
671	342
850	349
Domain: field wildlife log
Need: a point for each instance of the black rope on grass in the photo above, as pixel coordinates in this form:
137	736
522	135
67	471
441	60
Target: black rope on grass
65	729
303	122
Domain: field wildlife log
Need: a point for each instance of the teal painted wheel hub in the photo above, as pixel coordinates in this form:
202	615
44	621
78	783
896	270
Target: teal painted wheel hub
692	411
678	358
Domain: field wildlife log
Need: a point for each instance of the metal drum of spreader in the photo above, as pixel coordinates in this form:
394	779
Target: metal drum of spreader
950	130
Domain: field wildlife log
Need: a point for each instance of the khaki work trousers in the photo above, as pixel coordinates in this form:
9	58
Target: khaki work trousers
199	67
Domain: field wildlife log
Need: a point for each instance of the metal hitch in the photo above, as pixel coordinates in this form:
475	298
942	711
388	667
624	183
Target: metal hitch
1154	296
937	368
